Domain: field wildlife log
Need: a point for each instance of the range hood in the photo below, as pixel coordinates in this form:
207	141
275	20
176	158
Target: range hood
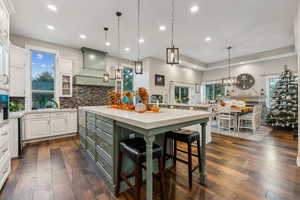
94	66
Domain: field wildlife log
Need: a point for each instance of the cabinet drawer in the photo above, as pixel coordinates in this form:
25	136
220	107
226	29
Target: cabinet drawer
107	120
82	131
91	118
82	142
91	147
37	116
3	134
4	167
104	172
60	115
105	125
4	149
106	147
104	136
82	118
103	156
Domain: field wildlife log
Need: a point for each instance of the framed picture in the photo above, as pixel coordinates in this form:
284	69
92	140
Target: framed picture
159	80
197	88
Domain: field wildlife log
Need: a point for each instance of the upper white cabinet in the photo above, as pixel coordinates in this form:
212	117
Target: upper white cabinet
18	59
65	77
4	23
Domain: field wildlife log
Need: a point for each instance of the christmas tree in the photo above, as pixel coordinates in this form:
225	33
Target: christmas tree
284	106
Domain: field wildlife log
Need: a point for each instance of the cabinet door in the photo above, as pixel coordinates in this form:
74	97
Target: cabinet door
58	126
65	66
37	128
17	82
72	122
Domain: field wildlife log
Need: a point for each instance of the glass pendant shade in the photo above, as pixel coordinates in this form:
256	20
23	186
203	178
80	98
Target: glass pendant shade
172	56
138	67
106	77
118	74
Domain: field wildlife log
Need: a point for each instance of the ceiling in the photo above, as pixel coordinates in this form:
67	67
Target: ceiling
250	26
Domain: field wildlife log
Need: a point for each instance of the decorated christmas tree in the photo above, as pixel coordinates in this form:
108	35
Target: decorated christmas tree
284	106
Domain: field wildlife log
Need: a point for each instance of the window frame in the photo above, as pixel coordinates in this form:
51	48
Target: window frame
30	48
214	89
190	91
268	97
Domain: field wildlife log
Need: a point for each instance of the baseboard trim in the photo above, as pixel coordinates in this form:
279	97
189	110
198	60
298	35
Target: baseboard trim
38	140
298	161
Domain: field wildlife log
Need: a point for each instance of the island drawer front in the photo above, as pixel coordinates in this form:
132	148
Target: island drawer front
103	156
82	118
104	136
91	146
82	131
91	118
106	147
107	127
82	142
91	127
104	119
105	173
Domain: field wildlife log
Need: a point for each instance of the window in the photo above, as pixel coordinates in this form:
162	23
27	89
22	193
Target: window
182	94
42	79
271	86
214	91
128	79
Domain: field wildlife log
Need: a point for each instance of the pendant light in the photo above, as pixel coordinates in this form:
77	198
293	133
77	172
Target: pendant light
139	63
106	75
172	53
229	81
118	70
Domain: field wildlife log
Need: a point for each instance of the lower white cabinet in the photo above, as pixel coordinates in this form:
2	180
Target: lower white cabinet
4	154
37	128
50	124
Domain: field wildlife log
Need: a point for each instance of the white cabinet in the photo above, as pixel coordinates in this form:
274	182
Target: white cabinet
65	77
41	125
37	128
72	122
18	57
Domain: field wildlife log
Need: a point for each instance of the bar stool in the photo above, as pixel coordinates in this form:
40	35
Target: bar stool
188	137
135	149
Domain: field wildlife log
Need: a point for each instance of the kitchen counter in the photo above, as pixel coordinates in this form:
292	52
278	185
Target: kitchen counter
102	128
19	114
186	106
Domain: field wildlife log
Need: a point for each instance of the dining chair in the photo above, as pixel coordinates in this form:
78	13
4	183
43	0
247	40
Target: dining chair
225	119
249	121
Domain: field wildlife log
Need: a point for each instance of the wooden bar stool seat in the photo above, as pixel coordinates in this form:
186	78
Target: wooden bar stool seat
188	137
135	149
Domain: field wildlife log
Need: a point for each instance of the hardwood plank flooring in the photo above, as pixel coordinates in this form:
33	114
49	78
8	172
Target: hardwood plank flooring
237	170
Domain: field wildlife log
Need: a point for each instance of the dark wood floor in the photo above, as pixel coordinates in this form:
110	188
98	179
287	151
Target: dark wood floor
237	170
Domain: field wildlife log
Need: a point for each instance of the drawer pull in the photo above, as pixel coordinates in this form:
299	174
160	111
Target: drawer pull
5	150
3	134
5	171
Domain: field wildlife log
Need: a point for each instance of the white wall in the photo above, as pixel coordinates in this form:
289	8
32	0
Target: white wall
259	71
177	74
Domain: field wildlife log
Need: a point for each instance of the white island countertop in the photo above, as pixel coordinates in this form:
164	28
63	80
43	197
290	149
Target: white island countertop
148	120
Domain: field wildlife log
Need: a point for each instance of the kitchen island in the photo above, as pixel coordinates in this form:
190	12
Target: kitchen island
102	128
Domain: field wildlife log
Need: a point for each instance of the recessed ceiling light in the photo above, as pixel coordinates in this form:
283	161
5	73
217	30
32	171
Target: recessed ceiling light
92	56
141	40
194	9
208	39
52	7
107	43
127	49
242	63
162	28
50	27
82	36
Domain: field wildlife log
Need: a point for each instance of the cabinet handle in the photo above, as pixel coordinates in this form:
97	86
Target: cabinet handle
5	171
5	150
3	134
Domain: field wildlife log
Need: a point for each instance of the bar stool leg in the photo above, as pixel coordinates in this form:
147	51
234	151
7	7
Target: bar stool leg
165	151
138	180
161	176
199	155
120	160
190	164
175	153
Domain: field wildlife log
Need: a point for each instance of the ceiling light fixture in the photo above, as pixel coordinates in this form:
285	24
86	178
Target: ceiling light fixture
172	53
230	80
82	36
52	7
194	9
50	27
208	39
127	49
141	40
118	70
106	75
162	28
139	64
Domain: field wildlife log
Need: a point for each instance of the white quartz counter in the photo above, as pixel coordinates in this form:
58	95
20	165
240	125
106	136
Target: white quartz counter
20	114
148	120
